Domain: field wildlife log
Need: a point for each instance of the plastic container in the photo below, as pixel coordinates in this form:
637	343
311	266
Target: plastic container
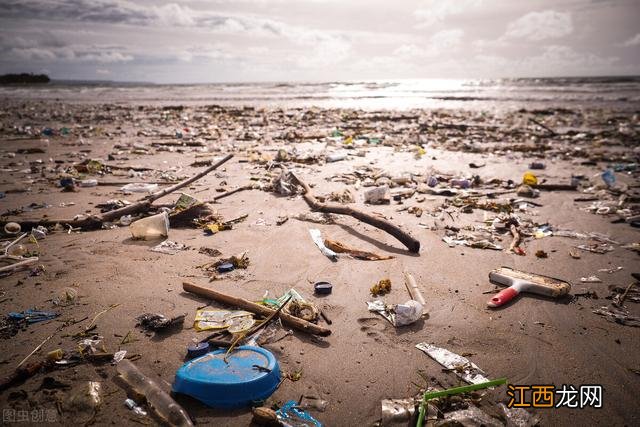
251	374
158	399
151	227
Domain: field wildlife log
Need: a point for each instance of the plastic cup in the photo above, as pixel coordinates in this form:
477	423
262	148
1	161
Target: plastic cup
151	227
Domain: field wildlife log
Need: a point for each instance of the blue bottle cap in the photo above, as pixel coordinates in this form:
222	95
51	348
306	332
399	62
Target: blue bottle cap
197	349
227	266
323	288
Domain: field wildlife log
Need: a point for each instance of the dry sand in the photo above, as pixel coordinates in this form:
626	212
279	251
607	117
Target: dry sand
532	341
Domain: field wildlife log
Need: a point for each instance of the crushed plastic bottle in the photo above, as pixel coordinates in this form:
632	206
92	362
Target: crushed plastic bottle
159	400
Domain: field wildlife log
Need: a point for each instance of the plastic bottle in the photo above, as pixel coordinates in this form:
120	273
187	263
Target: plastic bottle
160	401
88	183
151	227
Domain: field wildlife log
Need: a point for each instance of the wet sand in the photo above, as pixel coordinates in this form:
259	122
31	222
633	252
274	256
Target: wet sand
534	340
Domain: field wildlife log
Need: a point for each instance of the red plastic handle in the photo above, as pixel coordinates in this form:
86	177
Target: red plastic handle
502	297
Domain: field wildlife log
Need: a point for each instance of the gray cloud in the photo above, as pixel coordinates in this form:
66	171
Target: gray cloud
198	40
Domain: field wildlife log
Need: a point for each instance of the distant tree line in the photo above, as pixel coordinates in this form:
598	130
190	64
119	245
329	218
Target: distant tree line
24	78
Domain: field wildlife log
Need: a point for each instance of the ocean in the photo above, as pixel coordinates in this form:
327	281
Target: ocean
616	93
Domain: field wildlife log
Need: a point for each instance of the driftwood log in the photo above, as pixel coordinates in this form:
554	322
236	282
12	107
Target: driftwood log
95	222
294	322
412	244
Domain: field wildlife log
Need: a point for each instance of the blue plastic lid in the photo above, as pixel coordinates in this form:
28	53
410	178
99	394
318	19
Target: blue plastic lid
251	374
227	266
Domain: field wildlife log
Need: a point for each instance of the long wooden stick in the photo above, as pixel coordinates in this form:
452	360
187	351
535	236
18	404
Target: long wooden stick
294	322
412	244
95	221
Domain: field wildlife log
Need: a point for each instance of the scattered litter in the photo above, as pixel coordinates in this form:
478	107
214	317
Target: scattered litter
461	366
616	315
317	239
151	227
159	322
157	399
139	188
383	287
590	279
237	320
169	247
519	417
118	356
138	410
339	247
291	415
322	288
377	196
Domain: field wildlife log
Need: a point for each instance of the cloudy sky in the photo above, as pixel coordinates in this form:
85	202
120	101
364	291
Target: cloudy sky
318	40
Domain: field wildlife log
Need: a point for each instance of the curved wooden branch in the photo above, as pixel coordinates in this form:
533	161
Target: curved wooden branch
412	244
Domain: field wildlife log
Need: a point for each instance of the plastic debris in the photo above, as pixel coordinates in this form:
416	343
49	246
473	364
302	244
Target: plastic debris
616	315
378	196
118	356
529	179
397	411
160	401
151	227
139	188
290	415
590	279
158	322
461	366
519	417
169	247
85	400
317	239
609	177
138	410
472	416
206	319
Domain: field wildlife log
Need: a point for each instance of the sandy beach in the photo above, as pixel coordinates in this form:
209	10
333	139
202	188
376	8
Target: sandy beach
533	340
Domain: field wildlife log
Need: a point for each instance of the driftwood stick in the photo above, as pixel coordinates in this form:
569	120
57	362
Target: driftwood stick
556	187
412	244
94	222
294	322
229	193
551	131
165	191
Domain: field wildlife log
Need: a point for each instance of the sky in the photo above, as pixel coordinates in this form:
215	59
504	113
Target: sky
207	41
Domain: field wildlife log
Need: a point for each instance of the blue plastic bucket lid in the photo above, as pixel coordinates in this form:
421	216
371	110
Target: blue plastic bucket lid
251	374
